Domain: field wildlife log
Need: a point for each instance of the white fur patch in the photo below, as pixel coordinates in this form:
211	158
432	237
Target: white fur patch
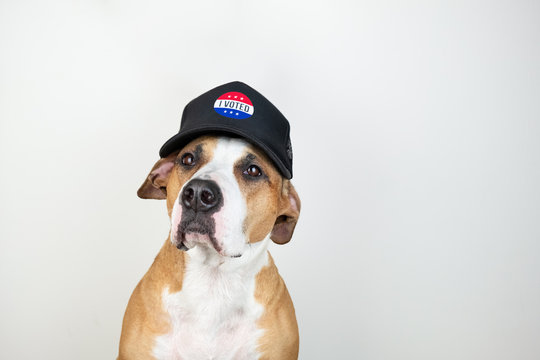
215	314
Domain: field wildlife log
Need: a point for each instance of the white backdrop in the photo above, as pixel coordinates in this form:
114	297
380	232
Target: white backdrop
415	128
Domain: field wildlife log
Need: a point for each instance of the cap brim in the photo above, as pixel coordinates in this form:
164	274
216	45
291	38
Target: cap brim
181	139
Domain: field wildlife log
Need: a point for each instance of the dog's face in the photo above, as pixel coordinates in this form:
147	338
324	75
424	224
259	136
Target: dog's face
223	193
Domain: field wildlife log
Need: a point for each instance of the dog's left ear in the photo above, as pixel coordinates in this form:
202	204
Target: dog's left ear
155	184
288	215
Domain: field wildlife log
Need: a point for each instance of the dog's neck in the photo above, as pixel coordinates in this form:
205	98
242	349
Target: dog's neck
217	295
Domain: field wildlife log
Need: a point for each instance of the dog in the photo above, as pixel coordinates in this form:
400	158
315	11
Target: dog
213	291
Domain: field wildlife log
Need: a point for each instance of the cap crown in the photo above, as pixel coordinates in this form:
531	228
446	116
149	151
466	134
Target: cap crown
236	108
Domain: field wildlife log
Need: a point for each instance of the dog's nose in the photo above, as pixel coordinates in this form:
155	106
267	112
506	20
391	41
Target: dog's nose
201	195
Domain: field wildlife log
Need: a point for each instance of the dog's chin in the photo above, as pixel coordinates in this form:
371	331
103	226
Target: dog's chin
189	240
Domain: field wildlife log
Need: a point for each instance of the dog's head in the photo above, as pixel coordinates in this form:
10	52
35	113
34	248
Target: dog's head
223	193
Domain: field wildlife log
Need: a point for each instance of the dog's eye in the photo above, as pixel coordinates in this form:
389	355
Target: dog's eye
188	159
253	170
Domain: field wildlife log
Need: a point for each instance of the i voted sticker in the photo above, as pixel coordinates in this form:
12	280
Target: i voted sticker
234	105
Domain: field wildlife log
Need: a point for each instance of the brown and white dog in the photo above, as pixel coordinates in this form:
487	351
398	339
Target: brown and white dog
213	291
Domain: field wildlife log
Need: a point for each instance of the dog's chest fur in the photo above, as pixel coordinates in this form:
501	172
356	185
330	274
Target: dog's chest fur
215	314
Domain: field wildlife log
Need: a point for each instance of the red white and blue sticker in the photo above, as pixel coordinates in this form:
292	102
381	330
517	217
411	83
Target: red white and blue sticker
234	105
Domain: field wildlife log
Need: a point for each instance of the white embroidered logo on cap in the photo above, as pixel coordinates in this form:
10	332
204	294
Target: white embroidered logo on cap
234	105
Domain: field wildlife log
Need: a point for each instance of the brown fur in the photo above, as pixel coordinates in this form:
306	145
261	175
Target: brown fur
278	319
145	318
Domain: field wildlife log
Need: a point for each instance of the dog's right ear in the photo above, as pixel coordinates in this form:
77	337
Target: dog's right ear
155	185
288	215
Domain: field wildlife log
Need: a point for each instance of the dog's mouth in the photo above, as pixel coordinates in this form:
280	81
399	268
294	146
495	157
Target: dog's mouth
194	232
197	235
196	229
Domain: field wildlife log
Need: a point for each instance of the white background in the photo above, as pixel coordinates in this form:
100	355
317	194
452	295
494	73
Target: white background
415	129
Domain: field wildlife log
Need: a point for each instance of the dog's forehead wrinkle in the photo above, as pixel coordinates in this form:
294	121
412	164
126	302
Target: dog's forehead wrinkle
198	150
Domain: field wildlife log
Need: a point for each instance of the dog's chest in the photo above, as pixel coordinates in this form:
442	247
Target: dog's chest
214	316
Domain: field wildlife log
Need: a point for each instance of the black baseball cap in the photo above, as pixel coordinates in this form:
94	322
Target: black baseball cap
236	109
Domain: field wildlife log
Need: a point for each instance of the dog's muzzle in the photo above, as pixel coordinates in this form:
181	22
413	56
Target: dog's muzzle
199	200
